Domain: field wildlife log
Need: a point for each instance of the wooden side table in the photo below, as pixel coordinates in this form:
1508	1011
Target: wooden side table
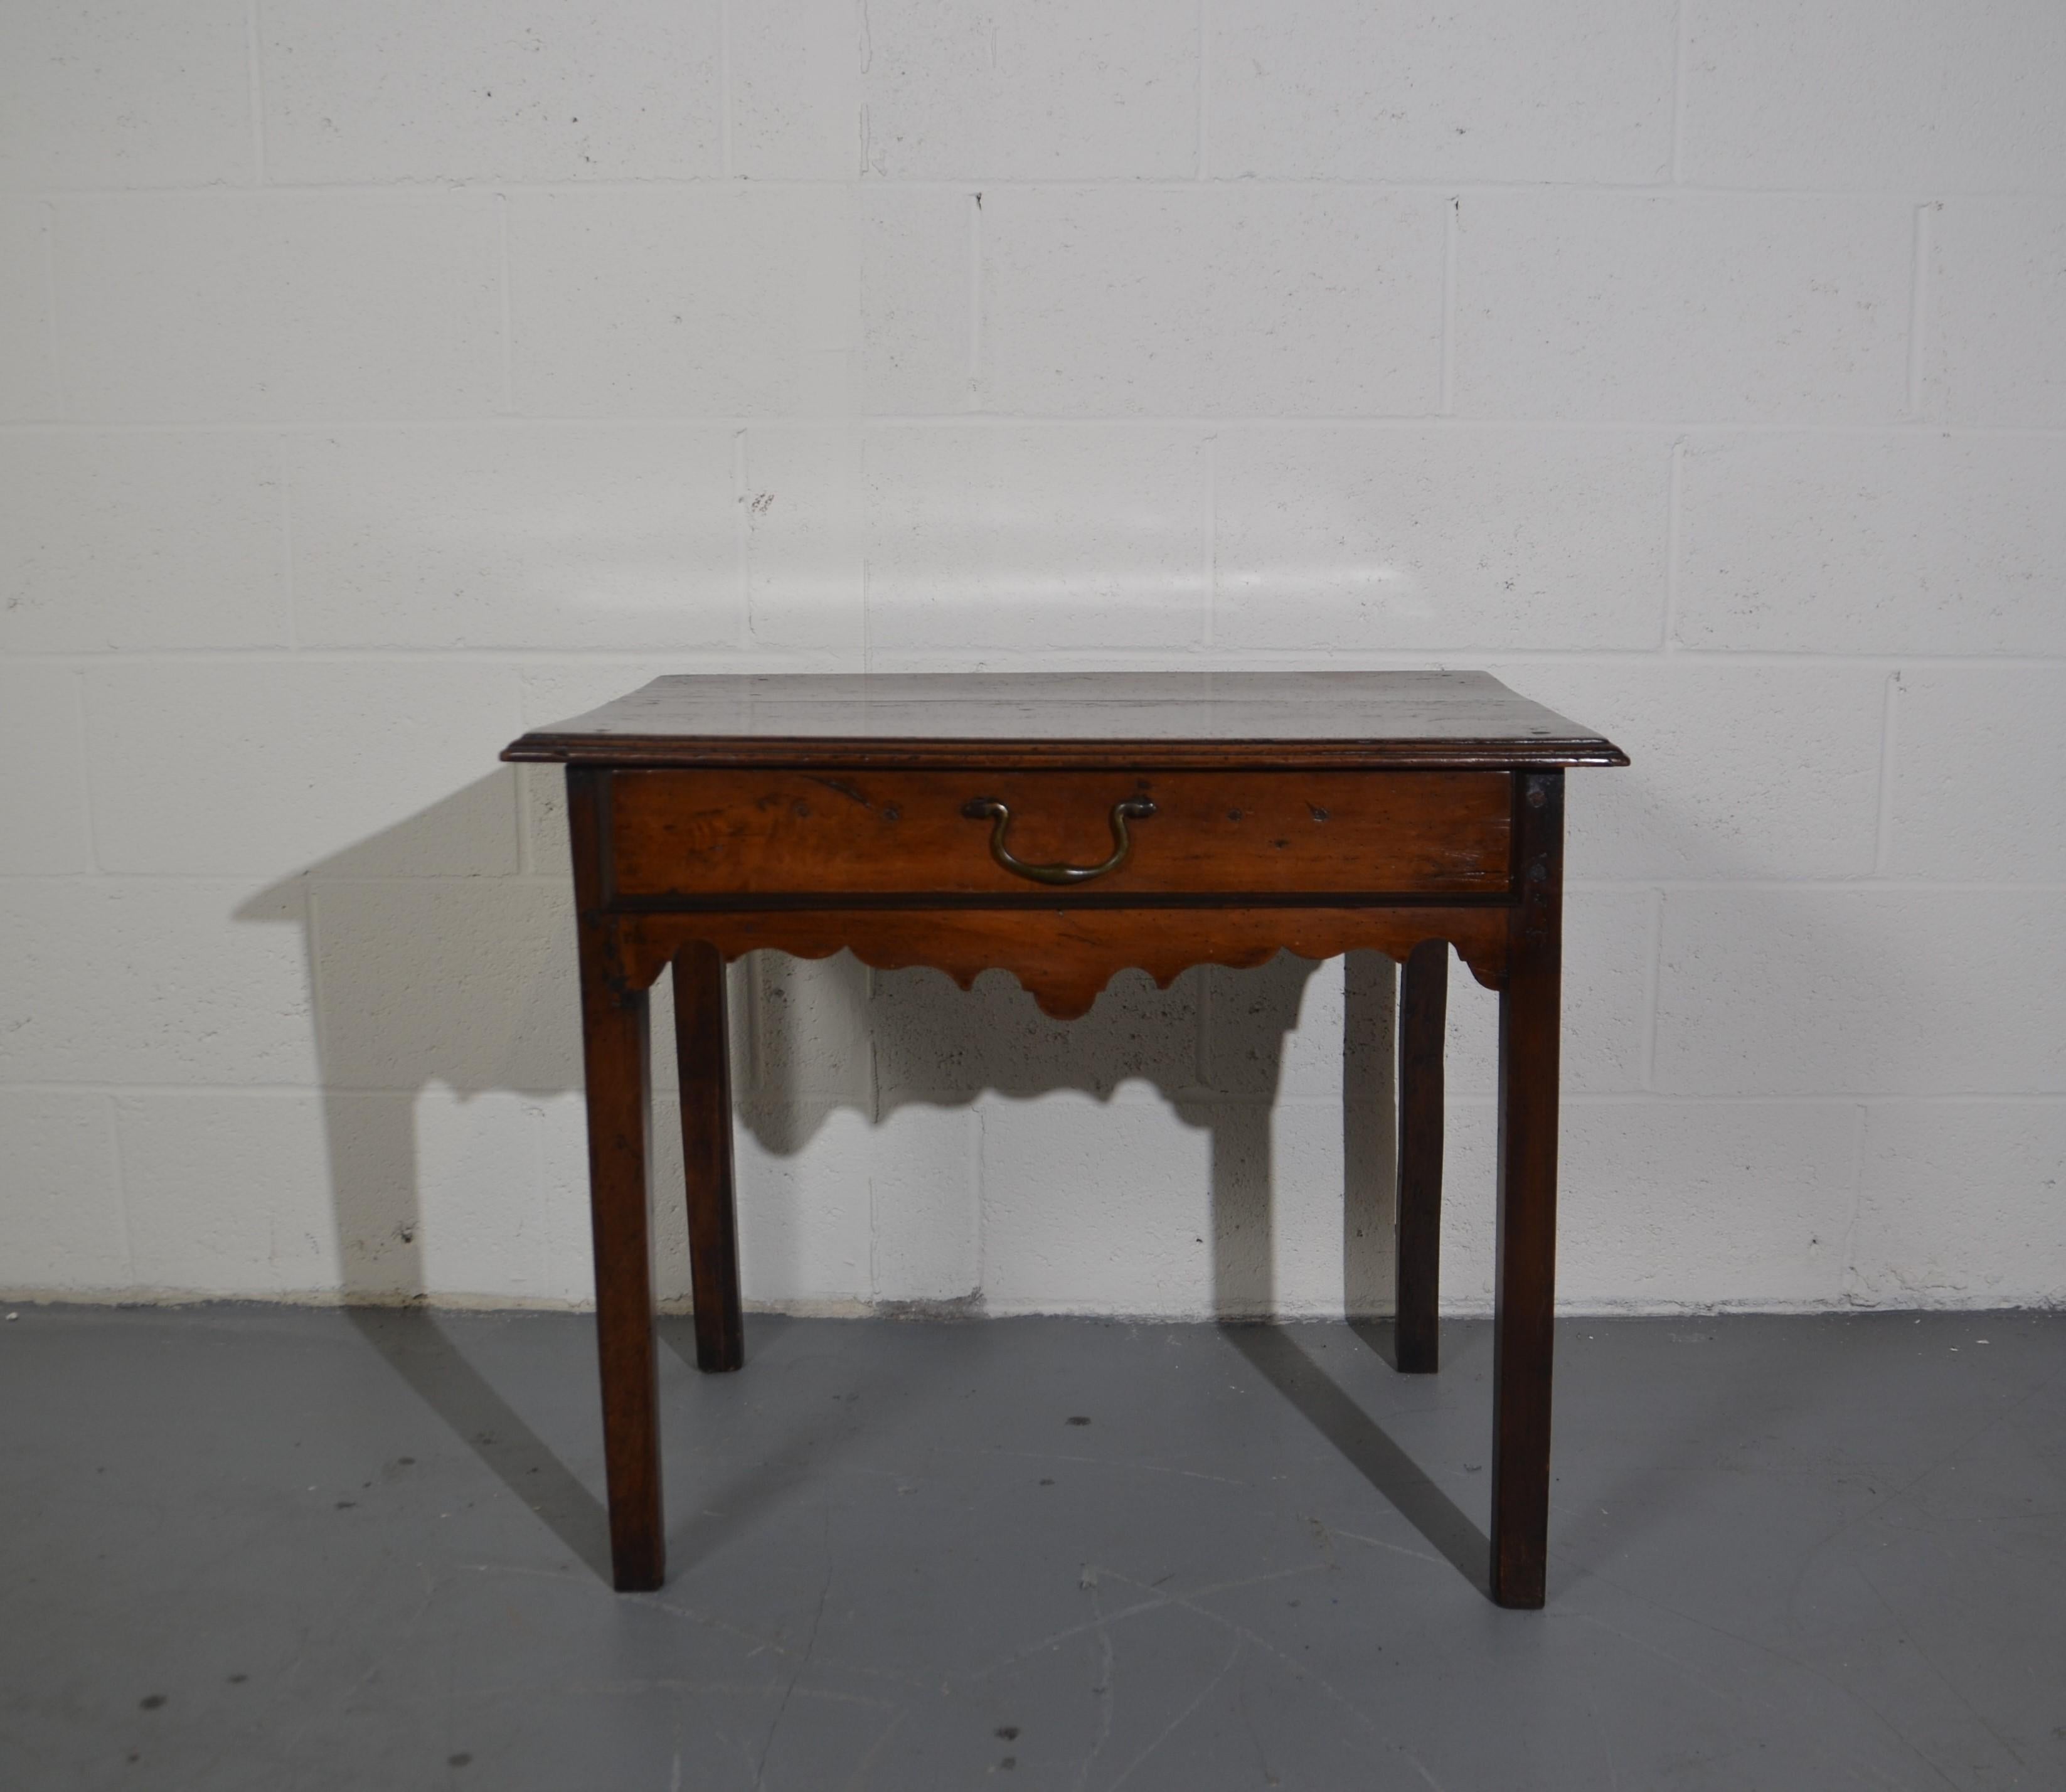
1062	827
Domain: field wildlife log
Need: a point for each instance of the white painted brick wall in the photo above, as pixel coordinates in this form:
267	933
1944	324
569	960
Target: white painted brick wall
376	382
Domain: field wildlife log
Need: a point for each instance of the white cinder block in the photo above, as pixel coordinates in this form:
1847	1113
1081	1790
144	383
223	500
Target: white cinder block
807	1037
412	1193
1811	991
915	91
61	1227
1736	771
569	685
1994	337
483	1227
1610	956
799	1206
1274	1211
917	300
988	538
1470	1205
1977	757
1089	1208
42	799
373	1177
228	1193
926	1205
1347	89
1875	543
1270	1033
805	541
540	90
1961	1204
156	96
28	373
204	307
1114	300
263	886
932	1042
1687	1203
126	541
154	980
1694	308
796	90
564	1230
619	536
348	768
727	300
469	982
1315	1272
1348	539
1075	90
1319	1050
1850	93
804	1212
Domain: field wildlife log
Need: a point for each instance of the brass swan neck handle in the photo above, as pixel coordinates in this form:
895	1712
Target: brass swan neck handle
1136	808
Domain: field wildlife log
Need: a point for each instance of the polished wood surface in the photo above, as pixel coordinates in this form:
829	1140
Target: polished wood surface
1160	721
1411	813
710	837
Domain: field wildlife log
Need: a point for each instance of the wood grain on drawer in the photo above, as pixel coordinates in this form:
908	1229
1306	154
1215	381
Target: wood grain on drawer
725	833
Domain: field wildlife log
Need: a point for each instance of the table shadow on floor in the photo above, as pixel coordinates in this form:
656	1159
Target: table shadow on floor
1278	1358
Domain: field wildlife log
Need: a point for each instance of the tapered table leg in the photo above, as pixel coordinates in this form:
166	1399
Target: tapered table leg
1525	1286
1423	1020
702	1050
614	1048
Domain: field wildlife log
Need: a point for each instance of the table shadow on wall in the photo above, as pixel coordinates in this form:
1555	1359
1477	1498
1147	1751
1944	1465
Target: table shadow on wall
466	984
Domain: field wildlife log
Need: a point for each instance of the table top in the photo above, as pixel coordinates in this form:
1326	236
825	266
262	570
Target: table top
1291	719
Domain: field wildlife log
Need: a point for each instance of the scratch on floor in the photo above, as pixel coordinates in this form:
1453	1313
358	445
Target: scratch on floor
635	1685
803	1661
1929	1661
1156	1601
1685	1670
874	1748
1176	1722
1105	1692
866	1670
1298	1670
1396	1549
1849	1694
563	1575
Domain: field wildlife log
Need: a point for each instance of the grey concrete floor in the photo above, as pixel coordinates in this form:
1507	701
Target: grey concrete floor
264	1548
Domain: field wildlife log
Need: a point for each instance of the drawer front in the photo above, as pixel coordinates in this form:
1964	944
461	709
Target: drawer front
693	834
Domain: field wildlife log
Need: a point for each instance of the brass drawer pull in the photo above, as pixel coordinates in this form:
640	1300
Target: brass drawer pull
1137	808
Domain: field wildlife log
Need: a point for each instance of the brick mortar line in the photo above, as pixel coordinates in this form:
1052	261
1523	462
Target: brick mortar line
1122	1096
771	661
1913	428
432	187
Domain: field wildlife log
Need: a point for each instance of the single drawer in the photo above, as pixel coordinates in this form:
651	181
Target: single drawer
698	834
